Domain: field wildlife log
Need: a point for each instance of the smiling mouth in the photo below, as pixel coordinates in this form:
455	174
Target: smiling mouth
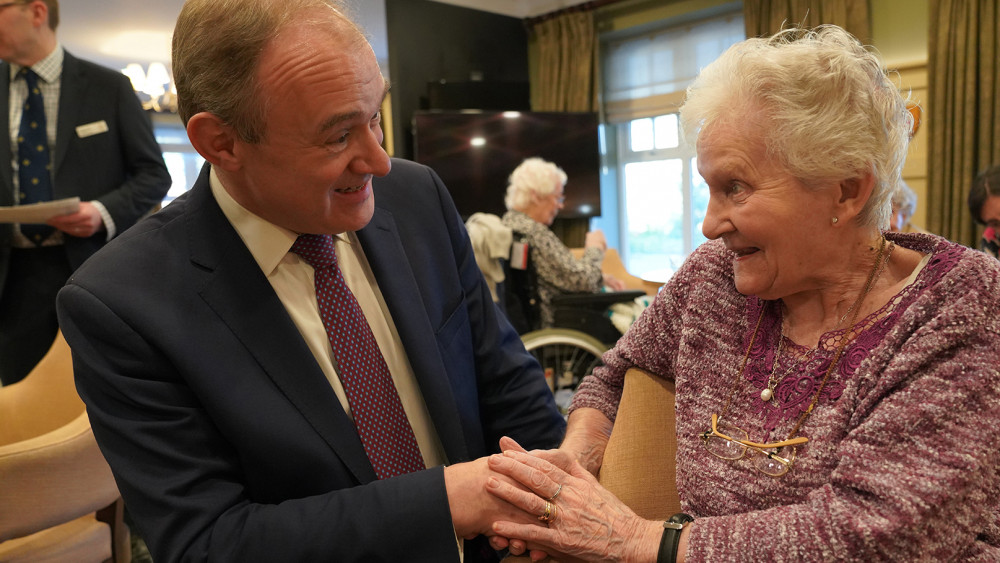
350	190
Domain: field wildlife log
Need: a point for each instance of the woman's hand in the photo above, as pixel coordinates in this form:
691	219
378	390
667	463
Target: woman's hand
585	520
614	283
595	239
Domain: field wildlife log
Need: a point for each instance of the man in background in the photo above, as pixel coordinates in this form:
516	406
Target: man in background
74	129
298	359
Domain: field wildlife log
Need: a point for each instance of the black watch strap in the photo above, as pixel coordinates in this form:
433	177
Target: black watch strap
672	537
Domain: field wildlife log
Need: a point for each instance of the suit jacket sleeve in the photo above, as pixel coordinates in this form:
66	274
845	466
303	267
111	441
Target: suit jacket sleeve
146	179
122	167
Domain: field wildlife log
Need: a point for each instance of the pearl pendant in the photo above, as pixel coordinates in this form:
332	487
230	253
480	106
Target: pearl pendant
766	394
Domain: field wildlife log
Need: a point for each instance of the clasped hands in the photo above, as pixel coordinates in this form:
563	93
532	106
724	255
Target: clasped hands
543	503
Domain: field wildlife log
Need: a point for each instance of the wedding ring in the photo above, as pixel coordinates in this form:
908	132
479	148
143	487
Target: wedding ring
549	512
556	494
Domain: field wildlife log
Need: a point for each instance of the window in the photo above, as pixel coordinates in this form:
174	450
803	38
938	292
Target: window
662	199
183	162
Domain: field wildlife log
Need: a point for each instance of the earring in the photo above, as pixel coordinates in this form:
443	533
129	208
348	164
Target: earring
834	220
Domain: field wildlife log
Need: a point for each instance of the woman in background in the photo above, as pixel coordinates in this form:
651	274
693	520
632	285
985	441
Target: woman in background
535	194
835	384
984	204
904	205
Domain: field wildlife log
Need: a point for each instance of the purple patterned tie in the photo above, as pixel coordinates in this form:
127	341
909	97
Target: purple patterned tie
378	414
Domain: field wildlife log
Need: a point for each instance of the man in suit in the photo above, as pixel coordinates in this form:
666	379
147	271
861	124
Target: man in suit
99	147
212	379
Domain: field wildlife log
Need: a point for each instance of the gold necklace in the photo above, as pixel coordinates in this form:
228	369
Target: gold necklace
869	283
772	382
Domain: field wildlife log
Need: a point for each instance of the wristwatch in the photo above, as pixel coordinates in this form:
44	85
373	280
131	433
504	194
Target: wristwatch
671	537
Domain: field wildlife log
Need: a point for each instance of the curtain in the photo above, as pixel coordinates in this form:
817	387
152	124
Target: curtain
567	53
964	125
567	49
767	17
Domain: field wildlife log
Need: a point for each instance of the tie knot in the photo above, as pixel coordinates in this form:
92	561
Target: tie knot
29	76
317	250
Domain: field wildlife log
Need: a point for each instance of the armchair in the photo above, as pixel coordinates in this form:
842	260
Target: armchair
58	499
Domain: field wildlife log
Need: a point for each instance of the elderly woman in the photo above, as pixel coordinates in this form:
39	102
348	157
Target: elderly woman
836	386
984	204
534	198
904	205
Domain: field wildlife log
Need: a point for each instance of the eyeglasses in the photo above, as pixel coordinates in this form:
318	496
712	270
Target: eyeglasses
9	4
735	444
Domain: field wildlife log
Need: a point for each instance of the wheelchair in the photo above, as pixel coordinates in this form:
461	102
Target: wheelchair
581	332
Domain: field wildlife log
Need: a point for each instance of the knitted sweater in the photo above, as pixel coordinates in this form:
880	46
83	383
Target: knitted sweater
901	464
557	269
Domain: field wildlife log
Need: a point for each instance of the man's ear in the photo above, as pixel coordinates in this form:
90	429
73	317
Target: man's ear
854	194
213	140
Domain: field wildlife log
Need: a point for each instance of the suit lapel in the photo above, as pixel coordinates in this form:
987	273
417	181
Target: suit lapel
388	261
71	93
6	154
258	319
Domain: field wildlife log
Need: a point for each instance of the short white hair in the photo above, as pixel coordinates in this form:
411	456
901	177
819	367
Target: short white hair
905	200
533	176
832	112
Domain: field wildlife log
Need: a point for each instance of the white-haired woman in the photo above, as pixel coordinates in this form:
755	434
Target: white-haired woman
904	205
835	383
535	194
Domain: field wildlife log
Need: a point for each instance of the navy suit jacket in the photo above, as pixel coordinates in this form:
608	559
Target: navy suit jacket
226	439
122	168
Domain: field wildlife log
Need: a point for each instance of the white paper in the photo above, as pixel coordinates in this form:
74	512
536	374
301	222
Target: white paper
39	212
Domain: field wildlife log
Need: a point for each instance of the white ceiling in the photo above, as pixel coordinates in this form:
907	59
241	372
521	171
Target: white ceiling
117	32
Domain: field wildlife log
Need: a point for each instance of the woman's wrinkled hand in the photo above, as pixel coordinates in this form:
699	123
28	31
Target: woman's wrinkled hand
585	520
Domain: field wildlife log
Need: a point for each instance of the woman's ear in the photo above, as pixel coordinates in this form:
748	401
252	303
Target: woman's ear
854	195
213	140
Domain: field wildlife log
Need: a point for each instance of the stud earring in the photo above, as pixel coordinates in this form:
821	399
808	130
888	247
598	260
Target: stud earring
834	220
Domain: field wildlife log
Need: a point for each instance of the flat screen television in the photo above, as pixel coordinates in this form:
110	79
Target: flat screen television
475	151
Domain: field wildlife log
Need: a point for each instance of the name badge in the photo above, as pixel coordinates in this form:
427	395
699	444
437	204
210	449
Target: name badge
519	256
91	129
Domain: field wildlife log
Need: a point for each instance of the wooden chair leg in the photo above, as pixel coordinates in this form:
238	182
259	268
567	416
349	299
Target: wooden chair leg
114	516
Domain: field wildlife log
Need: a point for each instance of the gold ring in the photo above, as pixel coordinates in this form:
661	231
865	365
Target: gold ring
548	514
556	494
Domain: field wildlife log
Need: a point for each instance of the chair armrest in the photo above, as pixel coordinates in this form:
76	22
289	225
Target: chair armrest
52	479
599	300
640	459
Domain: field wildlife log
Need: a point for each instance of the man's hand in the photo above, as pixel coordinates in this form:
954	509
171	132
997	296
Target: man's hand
84	223
473	510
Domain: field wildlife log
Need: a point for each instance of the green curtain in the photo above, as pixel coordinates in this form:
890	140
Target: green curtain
964	125
767	17
567	70
567	53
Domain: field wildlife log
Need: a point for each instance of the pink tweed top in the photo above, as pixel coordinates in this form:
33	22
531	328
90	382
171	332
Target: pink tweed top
903	460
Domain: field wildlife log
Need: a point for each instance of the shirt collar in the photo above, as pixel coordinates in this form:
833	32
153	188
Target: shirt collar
48	69
267	242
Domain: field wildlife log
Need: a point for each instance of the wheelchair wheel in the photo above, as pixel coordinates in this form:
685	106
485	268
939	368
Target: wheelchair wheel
566	356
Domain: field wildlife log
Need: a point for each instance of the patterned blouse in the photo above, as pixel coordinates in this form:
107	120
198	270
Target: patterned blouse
558	270
900	463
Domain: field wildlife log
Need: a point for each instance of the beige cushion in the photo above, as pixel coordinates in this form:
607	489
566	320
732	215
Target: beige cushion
84	540
639	462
